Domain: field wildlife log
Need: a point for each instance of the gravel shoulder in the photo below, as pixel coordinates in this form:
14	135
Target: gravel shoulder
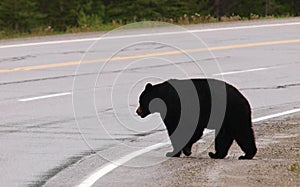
277	162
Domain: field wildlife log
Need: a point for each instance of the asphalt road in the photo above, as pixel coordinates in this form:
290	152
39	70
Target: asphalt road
71	99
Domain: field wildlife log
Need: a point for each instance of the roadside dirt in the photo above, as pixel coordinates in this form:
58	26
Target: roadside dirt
277	162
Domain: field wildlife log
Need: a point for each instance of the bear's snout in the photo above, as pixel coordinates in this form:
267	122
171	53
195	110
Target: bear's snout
139	111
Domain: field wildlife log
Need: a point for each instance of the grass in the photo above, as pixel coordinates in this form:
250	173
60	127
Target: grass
49	31
184	20
295	168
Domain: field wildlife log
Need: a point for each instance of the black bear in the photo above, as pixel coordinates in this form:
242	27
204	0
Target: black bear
189	106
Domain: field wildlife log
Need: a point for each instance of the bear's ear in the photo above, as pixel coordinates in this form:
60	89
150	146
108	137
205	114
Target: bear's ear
149	86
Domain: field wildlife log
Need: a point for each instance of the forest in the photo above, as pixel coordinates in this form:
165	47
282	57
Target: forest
29	16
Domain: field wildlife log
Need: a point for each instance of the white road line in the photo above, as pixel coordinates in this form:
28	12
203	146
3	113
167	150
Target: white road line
45	97
151	34
111	166
94	177
276	115
242	71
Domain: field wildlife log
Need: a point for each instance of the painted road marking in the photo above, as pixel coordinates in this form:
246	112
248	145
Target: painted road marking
45	97
111	166
276	115
151	34
242	71
174	52
102	171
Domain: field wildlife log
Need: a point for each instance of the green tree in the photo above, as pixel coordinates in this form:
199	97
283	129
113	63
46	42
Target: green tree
281	7
203	7
245	8
296	7
25	15
91	14
175	8
134	10
19	15
61	14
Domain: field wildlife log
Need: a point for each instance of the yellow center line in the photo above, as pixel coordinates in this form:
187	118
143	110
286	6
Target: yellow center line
64	64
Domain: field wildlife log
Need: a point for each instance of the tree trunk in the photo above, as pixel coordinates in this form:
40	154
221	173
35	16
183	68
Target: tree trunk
217	9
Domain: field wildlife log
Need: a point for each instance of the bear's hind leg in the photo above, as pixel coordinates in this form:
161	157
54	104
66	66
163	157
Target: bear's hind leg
246	141
223	142
187	150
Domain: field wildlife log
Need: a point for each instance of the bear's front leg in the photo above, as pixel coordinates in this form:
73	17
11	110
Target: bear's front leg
173	154
175	141
176	148
216	155
223	142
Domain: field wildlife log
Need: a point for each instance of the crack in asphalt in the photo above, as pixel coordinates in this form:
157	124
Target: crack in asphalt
65	164
73	52
15	59
35	80
273	87
140	134
28	127
145	46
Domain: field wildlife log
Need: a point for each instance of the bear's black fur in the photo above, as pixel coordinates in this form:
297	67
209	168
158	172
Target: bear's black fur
234	124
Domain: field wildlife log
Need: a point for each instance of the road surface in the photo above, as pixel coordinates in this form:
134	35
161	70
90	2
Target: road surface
67	102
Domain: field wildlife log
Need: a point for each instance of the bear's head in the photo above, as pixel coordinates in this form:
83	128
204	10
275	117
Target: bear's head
145	98
152	100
